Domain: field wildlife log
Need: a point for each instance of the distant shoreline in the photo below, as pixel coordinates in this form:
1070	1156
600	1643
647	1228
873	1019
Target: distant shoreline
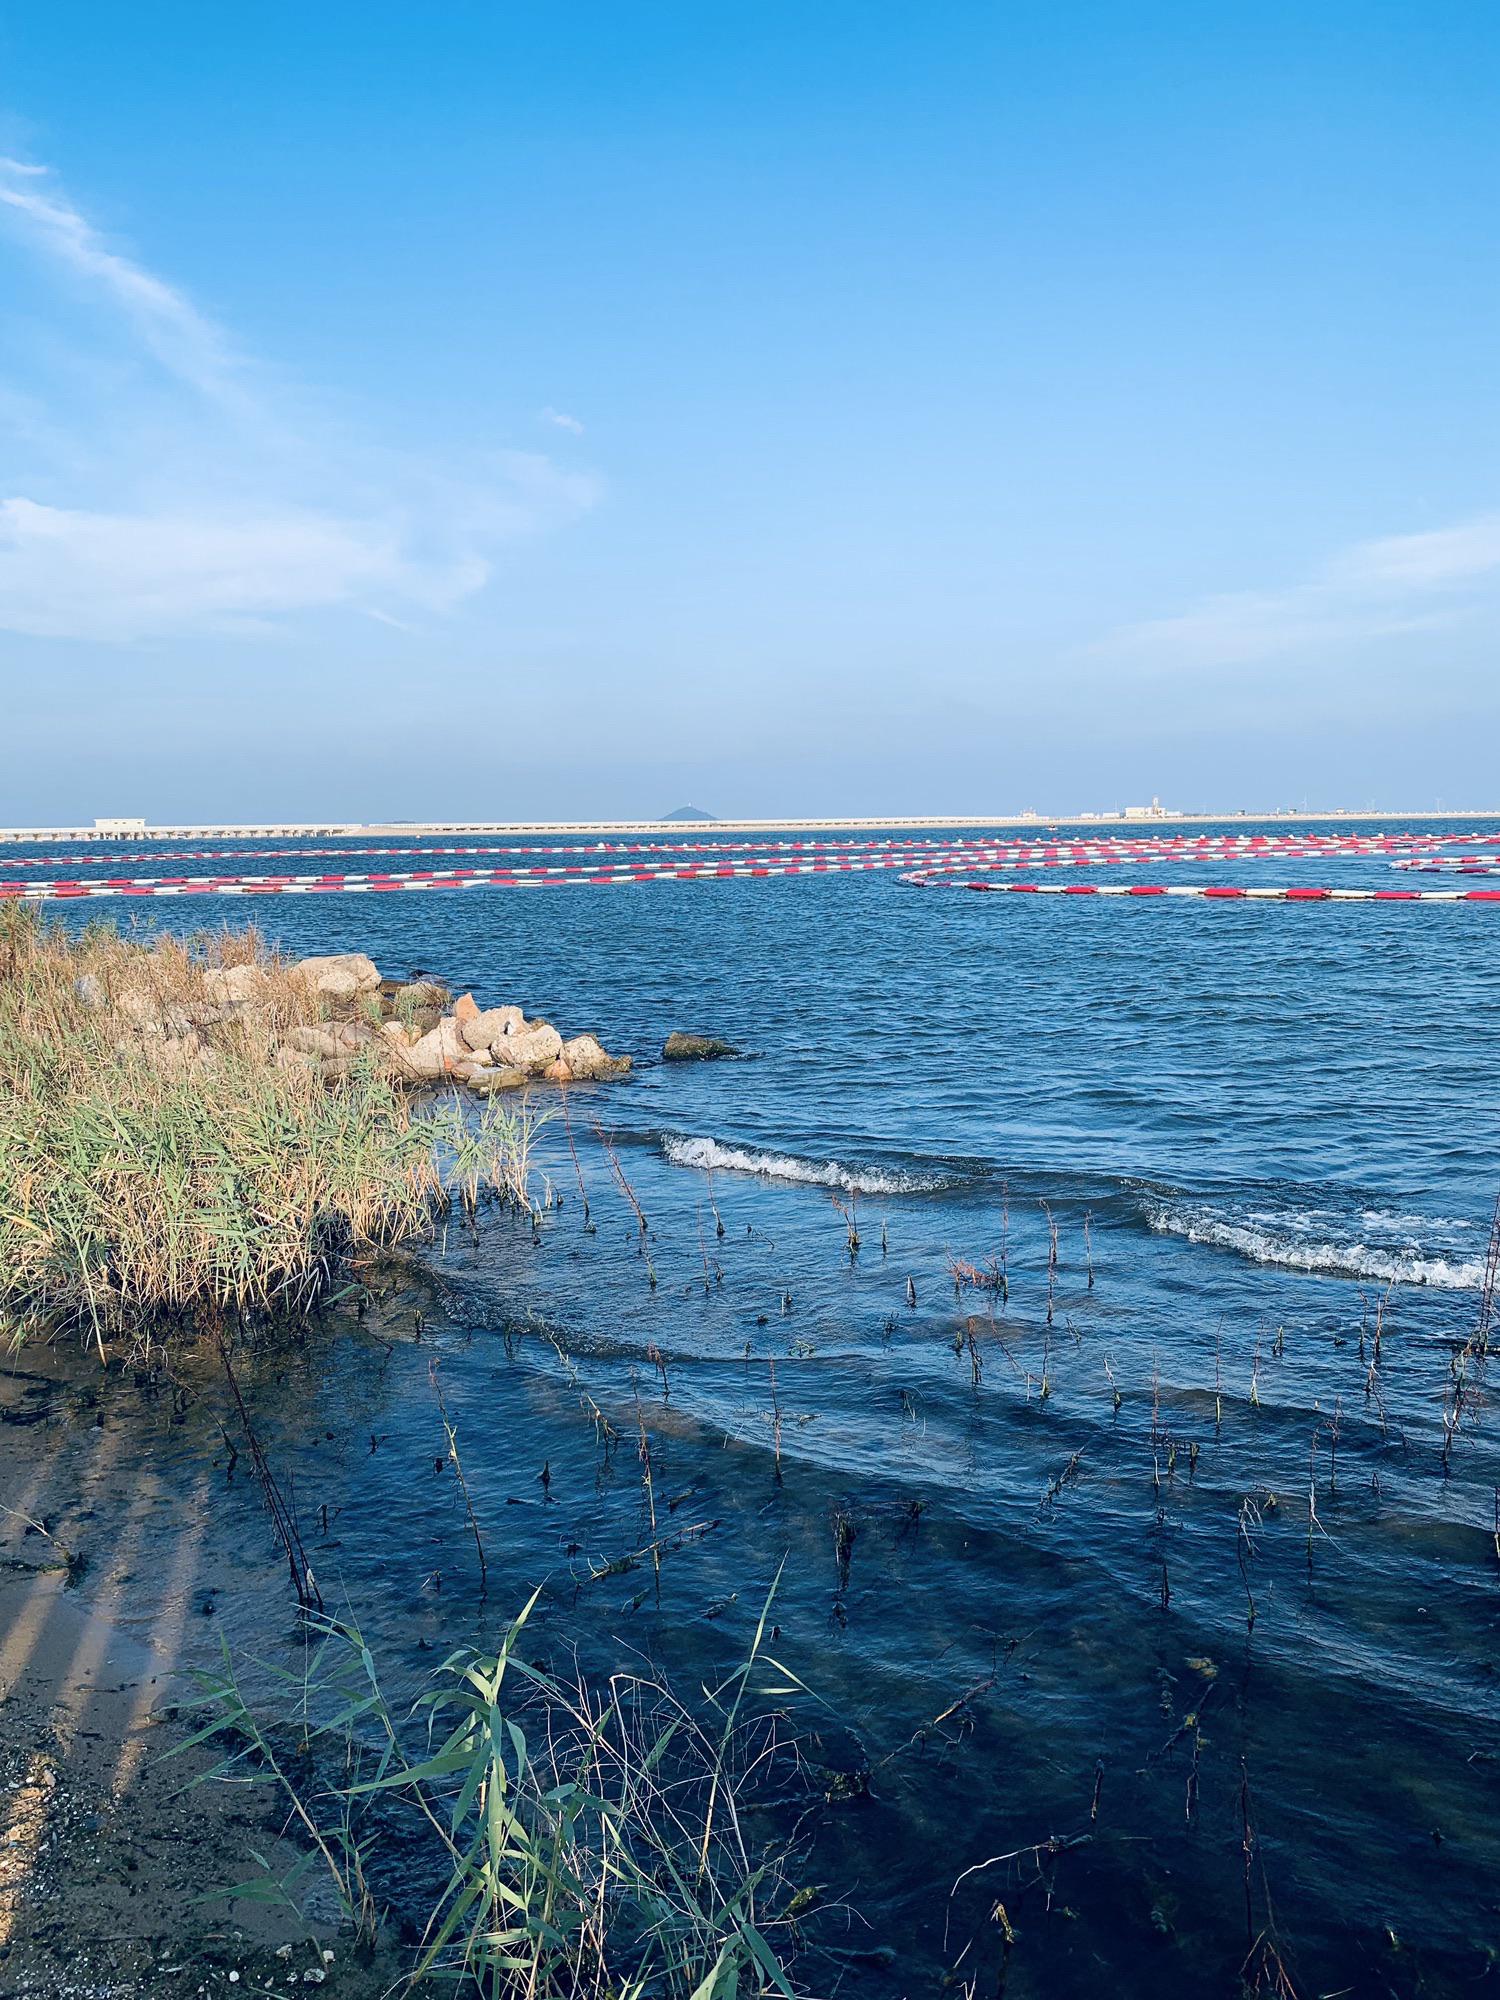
435	829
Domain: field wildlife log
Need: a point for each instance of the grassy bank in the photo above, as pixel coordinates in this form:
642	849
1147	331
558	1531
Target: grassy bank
167	1161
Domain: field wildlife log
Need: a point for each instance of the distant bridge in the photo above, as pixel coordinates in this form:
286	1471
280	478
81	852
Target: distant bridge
136	830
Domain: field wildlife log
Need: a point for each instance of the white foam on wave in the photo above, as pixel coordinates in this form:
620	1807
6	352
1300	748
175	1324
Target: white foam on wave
703	1152
1380	1218
1263	1243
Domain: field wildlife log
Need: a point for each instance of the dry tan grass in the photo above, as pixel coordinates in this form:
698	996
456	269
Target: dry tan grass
159	1161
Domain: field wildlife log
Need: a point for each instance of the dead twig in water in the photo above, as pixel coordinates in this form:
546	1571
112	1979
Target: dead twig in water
1051	1258
1114	1387
1005	1243
583	1195
649	1483
1489	1285
1059	1482
463	1485
282	1511
629	1193
844	1533
713	1205
850	1212
1249	1520
775	1422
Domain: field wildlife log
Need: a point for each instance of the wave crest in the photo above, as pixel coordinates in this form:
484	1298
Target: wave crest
685	1151
1264	1243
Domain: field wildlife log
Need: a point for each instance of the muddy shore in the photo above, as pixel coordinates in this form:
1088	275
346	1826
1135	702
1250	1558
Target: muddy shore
113	1864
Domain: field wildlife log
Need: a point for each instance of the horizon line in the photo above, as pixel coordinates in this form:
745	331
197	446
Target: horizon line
120	829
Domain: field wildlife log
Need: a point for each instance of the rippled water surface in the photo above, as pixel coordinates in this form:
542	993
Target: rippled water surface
1146	1550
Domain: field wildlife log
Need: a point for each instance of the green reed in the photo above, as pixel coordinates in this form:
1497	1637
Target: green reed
582	1843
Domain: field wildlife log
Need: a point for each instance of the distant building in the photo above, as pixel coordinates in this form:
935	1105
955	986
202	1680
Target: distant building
1156	810
119	826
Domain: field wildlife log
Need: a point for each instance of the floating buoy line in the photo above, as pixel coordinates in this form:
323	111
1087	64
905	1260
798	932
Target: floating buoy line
1212	891
1418	848
965	863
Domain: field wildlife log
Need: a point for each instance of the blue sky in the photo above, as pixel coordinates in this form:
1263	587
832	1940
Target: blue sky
497	410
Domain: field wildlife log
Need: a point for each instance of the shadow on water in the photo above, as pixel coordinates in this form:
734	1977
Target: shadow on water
116	1877
1148	1644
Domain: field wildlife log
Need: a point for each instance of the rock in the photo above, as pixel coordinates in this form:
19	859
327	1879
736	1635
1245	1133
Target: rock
341	976
137	1004
695	1048
234	985
482	1031
590	1063
174	1051
203	1014
557	1071
312	1042
488	1081
89	991
416	993
465	1008
400	1034
151	1018
437	1054
530	1047
333	1038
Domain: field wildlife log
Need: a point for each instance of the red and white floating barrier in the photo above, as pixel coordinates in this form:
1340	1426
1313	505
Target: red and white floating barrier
960	862
1187	847
1212	891
581	875
1454	864
614	875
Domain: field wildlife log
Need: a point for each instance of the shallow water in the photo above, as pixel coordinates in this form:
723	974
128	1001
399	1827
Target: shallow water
1265	1127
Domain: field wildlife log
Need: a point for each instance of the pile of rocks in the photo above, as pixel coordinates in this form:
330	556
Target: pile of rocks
429	1041
347	1012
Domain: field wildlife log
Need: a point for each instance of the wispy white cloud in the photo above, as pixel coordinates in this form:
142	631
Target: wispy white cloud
561	420
222	504
1465	553
1393	585
69	573
181	338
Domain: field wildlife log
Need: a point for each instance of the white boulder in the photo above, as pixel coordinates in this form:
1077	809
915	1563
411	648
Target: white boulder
438	1053
483	1030
234	985
530	1047
588	1062
340	976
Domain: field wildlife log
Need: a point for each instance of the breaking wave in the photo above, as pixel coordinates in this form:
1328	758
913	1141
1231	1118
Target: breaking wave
702	1152
1279	1240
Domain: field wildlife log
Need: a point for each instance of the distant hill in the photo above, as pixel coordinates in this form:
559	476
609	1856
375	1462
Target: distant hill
689	812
